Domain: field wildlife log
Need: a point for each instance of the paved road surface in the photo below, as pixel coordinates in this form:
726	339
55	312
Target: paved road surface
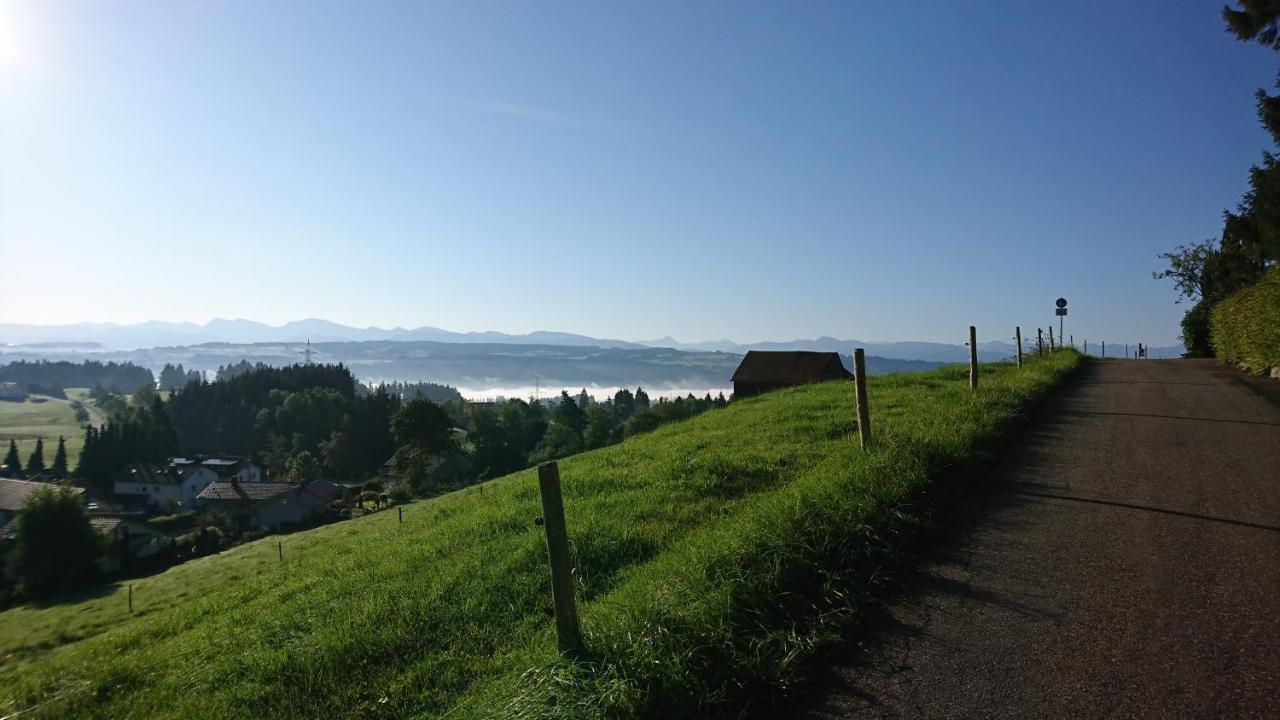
1126	564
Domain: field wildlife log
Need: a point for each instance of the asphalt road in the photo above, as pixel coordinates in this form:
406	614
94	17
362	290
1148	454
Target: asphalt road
1124	561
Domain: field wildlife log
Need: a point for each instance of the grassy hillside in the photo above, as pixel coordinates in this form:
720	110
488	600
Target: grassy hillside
714	556
43	416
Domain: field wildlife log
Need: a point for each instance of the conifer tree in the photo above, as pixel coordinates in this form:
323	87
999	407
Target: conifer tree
35	464
12	465
60	458
87	453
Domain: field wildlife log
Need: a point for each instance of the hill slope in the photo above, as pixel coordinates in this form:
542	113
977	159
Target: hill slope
42	416
713	555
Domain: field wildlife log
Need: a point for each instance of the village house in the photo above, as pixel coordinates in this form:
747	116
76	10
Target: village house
127	541
14	494
182	480
156	484
270	505
761	371
225	468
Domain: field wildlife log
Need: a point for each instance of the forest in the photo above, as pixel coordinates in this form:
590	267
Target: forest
308	421
51	377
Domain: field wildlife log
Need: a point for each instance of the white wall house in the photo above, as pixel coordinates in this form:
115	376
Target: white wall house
149	482
181	480
160	484
194	481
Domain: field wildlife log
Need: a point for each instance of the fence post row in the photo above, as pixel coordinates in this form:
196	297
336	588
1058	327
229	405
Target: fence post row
1017	335
568	638
973	359
860	397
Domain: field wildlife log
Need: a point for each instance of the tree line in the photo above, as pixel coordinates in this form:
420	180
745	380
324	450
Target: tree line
175	376
1205	273
51	377
513	435
35	465
435	392
307	421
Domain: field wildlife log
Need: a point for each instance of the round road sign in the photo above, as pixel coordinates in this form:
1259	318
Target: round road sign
1062	302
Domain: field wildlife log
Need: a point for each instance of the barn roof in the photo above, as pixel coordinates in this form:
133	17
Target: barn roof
787	367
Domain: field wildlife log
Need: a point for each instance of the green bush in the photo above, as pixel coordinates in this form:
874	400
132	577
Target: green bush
1195	331
399	495
1245	327
57	549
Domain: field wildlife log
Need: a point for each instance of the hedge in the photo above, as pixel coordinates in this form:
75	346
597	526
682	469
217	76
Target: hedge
1245	327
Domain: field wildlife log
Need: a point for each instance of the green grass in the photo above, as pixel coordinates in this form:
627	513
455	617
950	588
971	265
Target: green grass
716	558
41	416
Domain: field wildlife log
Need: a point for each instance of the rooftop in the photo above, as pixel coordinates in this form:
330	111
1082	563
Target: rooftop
14	493
246	492
789	367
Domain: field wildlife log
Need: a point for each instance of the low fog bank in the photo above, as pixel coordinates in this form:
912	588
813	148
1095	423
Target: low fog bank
597	392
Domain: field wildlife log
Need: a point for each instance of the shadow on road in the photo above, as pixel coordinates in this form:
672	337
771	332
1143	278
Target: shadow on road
1170	417
1149	508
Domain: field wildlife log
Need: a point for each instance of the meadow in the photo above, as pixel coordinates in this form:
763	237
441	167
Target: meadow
715	559
43	416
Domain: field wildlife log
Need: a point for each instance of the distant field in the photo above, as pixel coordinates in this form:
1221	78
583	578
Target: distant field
714	557
43	416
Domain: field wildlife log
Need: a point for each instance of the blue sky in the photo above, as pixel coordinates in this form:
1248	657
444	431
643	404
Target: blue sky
878	171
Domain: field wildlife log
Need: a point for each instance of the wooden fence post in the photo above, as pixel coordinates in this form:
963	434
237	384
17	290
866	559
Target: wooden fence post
973	359
131	599
1039	342
1050	338
1104	349
1086	348
860	397
280	550
1017	335
568	638
400	512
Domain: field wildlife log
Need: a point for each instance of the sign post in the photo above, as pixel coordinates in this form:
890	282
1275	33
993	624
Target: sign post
1061	312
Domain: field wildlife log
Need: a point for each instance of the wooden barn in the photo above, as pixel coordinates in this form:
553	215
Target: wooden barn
762	371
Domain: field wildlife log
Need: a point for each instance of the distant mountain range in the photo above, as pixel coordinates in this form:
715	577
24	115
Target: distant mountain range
110	336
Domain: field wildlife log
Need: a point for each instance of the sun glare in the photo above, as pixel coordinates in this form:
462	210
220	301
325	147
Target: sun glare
12	52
